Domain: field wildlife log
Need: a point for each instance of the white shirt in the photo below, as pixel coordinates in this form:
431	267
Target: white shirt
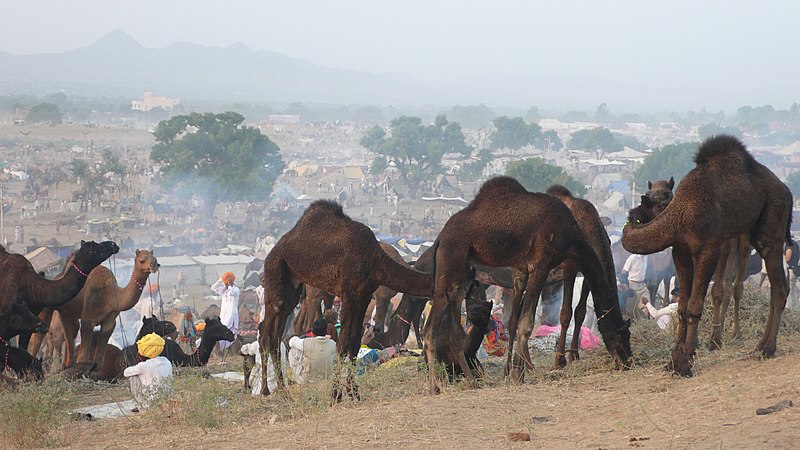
148	379
636	266
255	375
662	316
311	358
260	295
229	310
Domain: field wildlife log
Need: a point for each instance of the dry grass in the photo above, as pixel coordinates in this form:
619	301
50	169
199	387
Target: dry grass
33	414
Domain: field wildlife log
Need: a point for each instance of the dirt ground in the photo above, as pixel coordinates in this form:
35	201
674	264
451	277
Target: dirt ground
643	407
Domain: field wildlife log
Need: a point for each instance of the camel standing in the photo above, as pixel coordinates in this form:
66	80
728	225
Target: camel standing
329	250
532	233
588	220
99	302
727	194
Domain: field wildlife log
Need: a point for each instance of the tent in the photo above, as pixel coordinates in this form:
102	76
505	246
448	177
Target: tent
43	259
213	266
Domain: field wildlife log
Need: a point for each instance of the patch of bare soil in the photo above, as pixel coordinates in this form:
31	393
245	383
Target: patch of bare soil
643	407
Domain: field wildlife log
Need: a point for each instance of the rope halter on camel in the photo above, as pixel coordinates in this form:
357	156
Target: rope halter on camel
75	266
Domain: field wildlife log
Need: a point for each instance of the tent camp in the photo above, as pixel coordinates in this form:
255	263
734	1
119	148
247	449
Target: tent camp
213	266
43	259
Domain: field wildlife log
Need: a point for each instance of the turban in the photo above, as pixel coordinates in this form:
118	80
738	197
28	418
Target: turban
150	345
200	326
228	277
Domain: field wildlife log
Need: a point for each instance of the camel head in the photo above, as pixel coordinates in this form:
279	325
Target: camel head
21	320
661	192
480	314
160	327
618	343
217	331
644	213
91	254
146	262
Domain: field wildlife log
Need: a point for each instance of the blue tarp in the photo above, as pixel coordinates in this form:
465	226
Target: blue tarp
620	186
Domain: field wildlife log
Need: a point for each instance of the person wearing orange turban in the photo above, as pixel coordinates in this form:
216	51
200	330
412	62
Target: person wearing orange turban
229	299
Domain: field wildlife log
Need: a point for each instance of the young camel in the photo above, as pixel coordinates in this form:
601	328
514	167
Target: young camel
329	250
727	194
532	233
99	302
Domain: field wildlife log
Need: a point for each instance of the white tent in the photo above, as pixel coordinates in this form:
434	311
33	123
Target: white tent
213	266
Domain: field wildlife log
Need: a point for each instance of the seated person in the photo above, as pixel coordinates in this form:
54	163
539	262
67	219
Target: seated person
149	378
663	316
254	375
374	357
312	358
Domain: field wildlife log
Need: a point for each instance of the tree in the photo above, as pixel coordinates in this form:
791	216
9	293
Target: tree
594	139
551	140
602	114
673	160
473	170
536	175
415	149
793	182
514	133
533	115
111	163
215	156
713	129
44	113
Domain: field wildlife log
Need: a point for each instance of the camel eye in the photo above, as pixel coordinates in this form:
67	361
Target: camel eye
637	221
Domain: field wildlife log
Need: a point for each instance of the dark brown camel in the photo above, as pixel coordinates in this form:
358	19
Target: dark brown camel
99	302
311	308
383	295
505	225
329	250
21	284
727	194
588	220
19	319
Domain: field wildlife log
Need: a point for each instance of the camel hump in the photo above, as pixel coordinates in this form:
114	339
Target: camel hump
724	146
559	191
498	186
326	205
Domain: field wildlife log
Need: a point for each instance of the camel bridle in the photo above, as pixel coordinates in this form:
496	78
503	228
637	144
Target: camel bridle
75	266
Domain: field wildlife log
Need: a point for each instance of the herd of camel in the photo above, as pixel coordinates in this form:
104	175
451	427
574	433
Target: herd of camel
723	208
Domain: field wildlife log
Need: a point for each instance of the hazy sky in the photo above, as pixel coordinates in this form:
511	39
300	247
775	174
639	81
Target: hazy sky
743	52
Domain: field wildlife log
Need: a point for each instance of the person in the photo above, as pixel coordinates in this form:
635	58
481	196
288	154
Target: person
252	349
229	311
149	378
792	256
260	295
663	316
635	269
312	358
368	356
332	318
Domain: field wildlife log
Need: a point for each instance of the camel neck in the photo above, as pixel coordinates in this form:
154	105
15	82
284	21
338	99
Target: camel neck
133	290
653	236
44	293
203	353
402	278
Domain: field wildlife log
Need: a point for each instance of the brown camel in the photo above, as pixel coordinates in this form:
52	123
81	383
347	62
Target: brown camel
384	294
311	308
99	302
588	220
727	194
532	233
329	250
21	284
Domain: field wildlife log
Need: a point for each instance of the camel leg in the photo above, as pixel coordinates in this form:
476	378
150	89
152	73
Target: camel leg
106	330
570	272
36	340
520	281
522	357
381	308
580	315
684	267
85	351
706	263
354	306
71	326
738	285
779	290
718	296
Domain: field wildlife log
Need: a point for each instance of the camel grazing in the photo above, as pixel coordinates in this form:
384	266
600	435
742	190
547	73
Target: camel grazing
532	233
726	195
329	250
588	220
21	284
17	320
99	302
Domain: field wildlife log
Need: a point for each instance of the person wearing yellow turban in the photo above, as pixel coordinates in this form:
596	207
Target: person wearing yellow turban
229	308
150	377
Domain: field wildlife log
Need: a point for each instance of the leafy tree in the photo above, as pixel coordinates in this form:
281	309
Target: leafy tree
514	133
44	112
628	141
416	149
79	168
594	139
712	129
536	175
533	115
673	160
215	156
793	182
473	170
551	140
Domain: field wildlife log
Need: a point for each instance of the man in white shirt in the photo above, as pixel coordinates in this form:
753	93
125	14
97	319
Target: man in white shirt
149	378
312	358
663	316
636	268
229	310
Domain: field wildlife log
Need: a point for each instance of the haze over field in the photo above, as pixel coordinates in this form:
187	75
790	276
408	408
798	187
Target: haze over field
633	55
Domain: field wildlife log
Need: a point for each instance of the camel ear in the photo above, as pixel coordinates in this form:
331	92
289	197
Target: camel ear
83	242
138	252
671	182
649	185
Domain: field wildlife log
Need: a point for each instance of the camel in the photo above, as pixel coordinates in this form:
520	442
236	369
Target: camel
99	302
21	284
311	308
331	251
384	294
406	315
214	332
726	195
505	225
13	322
588	220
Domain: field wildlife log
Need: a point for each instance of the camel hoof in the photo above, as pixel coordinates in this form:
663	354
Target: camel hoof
517	375
714	345
573	356
680	365
768	352
560	363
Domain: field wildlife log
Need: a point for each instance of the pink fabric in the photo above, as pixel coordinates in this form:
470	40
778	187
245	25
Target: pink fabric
588	340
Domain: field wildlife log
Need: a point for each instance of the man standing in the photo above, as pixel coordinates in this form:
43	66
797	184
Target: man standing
229	310
635	268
